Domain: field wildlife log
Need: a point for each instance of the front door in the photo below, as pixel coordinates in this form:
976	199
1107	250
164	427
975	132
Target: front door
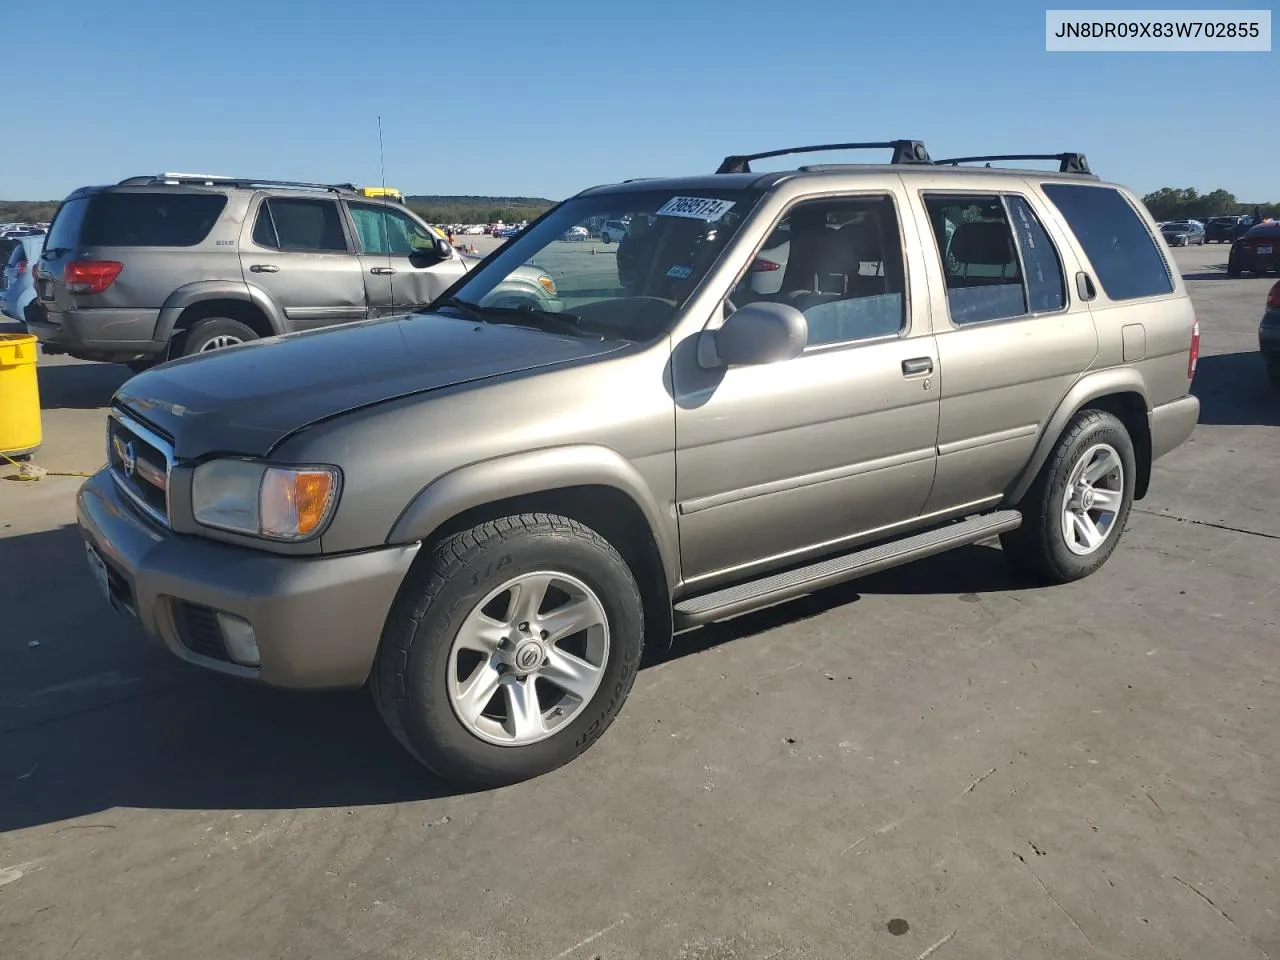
300	255
782	461
397	254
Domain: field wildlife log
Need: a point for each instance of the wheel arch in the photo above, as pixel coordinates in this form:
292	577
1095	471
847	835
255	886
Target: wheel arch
206	298
588	483
1120	392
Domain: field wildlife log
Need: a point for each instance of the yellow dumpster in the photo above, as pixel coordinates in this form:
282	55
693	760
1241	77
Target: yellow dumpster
19	395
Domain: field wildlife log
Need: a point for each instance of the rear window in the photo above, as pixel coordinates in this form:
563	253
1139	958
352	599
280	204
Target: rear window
1115	239
66	224
150	219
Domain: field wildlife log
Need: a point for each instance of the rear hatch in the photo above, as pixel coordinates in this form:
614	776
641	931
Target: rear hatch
104	248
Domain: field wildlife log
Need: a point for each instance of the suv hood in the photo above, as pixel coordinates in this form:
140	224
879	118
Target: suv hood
248	398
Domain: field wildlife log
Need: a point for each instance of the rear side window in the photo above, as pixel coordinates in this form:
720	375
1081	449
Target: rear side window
976	245
147	219
64	232
1115	239
302	225
1045	290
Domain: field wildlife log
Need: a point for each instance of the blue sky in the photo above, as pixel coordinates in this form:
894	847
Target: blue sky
543	99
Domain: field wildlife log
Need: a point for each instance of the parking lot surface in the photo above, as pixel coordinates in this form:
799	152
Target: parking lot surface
934	762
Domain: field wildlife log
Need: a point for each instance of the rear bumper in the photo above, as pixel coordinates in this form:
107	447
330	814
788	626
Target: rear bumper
1172	424
317	620
98	334
1269	334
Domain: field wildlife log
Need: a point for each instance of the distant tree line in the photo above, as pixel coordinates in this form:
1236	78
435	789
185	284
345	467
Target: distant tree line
1172	203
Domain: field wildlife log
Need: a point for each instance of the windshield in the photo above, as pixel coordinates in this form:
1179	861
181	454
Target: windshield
631	286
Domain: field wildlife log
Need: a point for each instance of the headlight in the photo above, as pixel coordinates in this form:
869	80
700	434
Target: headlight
279	503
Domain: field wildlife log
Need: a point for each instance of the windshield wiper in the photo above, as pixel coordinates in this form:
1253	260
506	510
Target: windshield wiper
540	319
470	309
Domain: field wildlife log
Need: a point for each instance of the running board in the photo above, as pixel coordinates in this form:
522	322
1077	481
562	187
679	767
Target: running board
745	597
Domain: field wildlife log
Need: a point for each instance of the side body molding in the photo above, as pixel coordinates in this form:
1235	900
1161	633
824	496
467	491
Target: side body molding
192	293
1089	387
537	471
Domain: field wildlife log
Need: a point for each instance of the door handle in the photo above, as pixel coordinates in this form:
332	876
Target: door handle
916	366
264	268
382	271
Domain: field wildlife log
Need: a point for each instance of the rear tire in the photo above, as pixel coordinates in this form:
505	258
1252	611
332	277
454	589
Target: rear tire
1075	512
439	647
213	333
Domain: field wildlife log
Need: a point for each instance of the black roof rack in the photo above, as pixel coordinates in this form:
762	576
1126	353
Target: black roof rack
1067	162
202	179
904	151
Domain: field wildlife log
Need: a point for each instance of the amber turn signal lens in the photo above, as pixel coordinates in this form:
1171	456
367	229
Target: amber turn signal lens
311	495
294	503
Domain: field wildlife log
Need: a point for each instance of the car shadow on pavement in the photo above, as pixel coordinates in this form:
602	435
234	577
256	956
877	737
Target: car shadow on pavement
1234	390
92	716
80	386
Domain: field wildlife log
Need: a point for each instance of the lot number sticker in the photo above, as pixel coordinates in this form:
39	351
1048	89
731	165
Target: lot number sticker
695	208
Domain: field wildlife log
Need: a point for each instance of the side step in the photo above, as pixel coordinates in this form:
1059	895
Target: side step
745	597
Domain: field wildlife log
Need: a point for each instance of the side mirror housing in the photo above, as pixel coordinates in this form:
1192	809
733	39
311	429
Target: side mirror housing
753	334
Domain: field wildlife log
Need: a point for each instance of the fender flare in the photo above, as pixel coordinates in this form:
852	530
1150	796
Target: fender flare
202	290
537	471
1090	387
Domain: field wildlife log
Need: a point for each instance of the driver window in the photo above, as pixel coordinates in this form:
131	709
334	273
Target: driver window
839	262
386	231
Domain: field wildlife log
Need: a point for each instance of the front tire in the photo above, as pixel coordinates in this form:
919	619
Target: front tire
1075	512
213	333
510	649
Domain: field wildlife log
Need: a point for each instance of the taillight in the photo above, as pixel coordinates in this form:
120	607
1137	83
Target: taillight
1195	350
22	267
35	272
764	266
1273	298
91	276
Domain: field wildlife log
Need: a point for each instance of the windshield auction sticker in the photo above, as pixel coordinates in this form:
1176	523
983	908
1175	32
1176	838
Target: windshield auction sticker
695	208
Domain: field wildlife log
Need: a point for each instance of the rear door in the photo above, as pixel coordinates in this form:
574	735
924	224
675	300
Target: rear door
298	252
397	256
1011	341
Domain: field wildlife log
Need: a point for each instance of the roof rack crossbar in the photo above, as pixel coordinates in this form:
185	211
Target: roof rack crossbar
200	178
1067	162
904	151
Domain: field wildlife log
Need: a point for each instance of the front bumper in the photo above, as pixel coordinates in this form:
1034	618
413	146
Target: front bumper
98	334
317	620
1172	424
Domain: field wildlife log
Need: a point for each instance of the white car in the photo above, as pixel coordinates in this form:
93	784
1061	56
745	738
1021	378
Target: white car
577	233
613	231
770	264
474	231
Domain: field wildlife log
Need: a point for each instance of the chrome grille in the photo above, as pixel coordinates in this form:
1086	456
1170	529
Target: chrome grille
140	461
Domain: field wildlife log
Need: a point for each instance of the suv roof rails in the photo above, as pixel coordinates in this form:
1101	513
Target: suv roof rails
904	151
1067	162
204	179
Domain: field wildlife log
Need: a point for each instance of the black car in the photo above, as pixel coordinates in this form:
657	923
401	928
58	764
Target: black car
1183	233
1258	251
1269	336
1225	229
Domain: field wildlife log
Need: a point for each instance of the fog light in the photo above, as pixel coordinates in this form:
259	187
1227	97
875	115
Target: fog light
238	635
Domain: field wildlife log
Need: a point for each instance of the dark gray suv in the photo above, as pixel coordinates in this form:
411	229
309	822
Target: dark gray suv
157	267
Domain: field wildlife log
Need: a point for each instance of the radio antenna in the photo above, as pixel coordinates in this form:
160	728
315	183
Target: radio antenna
386	227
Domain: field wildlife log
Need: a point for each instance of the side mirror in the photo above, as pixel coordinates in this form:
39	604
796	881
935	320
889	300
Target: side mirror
754	334
443	248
